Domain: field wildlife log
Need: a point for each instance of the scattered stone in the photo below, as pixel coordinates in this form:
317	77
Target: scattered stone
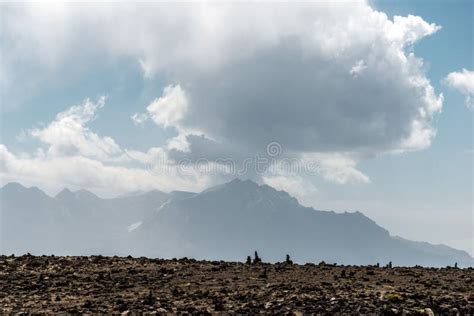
150	299
87	304
114	285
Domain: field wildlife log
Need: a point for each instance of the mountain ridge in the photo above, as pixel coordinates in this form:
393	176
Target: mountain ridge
227	221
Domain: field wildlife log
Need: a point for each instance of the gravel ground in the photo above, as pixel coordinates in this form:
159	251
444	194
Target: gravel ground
99	284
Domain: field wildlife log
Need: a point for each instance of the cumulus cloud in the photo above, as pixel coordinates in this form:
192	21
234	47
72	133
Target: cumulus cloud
303	190
68	134
332	83
54	173
336	88
462	81
71	155
336	167
300	91
170	108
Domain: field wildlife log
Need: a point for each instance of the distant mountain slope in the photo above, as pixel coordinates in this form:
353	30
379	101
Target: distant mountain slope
228	221
231	220
70	223
30	219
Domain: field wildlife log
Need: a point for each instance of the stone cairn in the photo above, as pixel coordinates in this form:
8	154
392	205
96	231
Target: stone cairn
256	258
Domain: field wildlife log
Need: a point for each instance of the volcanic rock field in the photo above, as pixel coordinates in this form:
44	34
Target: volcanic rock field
97	284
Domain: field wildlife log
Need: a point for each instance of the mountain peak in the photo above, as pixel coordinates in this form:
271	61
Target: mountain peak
13	186
14	190
228	221
249	193
240	182
64	194
82	193
67	194
235	184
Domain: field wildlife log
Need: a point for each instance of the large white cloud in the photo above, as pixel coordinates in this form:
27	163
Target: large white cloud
169	109
332	83
335	87
71	155
52	174
462	81
69	135
301	93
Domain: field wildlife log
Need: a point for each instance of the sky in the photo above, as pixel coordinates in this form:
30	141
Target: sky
347	105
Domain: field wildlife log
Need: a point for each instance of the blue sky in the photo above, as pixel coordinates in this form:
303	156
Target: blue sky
437	181
423	191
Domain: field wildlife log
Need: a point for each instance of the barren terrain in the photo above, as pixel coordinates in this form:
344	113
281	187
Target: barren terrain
113	284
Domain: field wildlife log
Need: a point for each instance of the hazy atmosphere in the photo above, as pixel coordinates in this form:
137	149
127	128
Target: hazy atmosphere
297	158
347	106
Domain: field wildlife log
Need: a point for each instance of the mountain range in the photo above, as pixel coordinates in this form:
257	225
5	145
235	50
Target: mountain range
225	222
